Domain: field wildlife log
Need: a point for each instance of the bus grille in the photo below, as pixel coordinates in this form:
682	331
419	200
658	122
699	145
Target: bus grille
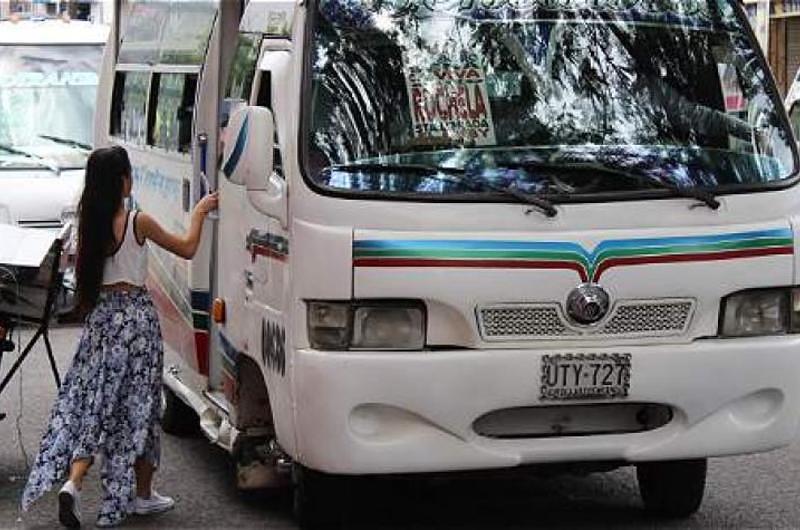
628	318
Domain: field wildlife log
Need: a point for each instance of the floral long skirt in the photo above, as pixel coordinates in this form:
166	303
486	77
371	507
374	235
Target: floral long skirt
108	404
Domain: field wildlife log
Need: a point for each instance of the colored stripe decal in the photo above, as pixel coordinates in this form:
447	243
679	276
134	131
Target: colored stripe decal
713	256
258	250
200	320
191	308
238	149
201	300
572	256
230	356
268	245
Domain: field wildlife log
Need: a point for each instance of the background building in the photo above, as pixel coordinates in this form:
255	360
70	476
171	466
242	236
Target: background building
99	11
783	50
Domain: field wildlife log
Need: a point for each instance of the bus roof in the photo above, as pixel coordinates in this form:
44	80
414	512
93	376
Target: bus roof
52	32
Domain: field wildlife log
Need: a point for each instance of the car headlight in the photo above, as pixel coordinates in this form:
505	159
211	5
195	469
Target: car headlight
366	325
761	312
68	215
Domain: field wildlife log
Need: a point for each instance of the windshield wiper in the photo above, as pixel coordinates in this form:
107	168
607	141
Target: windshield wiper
706	197
67	141
42	161
461	178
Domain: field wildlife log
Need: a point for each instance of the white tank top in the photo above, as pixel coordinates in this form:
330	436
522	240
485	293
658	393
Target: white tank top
128	263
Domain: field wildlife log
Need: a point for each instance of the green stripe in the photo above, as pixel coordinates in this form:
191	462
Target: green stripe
229	371
227	362
200	320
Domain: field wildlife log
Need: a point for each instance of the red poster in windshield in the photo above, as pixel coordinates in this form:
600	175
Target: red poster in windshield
449	104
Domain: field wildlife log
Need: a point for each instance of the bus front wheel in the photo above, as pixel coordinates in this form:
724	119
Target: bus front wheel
319	498
672	489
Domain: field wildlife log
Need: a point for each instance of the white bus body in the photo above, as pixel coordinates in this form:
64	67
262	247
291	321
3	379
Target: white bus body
518	274
48	88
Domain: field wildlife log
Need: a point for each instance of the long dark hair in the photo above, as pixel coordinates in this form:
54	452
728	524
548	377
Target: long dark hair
106	170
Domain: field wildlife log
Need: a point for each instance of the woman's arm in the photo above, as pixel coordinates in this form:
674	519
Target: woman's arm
184	245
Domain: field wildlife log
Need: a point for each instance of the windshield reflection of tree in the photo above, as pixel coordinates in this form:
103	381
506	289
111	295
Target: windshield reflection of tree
583	84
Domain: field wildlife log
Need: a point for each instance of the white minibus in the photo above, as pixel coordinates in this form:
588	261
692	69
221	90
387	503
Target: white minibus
467	235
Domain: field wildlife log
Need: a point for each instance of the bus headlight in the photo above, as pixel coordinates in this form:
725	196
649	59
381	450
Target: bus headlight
761	312
329	325
366	325
388	328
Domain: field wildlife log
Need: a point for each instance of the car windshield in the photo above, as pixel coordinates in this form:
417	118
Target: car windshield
570	98
47	99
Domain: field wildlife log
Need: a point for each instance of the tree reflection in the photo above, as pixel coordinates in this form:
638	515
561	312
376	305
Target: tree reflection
636	84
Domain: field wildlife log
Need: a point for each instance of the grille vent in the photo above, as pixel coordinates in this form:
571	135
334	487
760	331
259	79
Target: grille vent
649	318
628	318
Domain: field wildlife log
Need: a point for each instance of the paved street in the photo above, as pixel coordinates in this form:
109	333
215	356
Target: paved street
744	492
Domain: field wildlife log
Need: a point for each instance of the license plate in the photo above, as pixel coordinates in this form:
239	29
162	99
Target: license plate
585	376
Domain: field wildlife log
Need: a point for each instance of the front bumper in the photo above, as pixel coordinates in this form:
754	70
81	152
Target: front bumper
379	412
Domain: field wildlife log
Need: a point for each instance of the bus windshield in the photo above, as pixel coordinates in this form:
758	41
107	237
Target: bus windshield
47	100
566	99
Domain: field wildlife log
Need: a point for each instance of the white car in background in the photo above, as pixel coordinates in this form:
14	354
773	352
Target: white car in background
48	81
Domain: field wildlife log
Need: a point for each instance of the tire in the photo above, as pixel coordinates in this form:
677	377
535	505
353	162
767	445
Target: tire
318	499
177	418
672	489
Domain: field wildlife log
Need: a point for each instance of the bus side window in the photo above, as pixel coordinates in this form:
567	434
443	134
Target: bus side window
264	99
129	106
240	79
172	98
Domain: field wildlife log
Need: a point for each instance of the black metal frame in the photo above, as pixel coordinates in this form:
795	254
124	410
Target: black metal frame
42	321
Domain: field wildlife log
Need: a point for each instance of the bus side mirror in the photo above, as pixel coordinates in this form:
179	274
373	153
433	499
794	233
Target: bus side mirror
247	157
248	161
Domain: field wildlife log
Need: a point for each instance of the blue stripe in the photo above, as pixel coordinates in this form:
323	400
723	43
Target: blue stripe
201	301
238	149
228	350
452	244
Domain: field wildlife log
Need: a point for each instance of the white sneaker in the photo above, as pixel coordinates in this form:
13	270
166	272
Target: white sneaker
69	505
102	523
155	504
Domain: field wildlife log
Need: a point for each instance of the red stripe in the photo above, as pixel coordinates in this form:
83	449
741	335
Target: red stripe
258	250
201	349
229	388
705	256
472	264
